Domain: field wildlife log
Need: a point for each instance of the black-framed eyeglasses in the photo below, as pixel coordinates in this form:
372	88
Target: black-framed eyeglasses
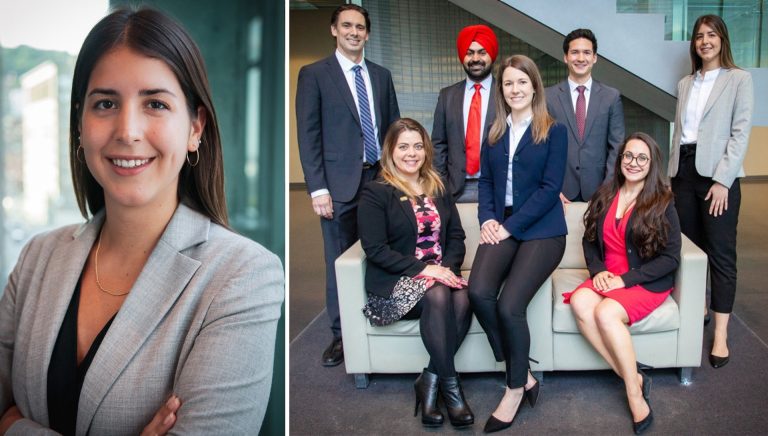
642	160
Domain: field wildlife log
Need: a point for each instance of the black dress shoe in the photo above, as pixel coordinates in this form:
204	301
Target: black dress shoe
494	424
426	394
717	361
459	412
643	425
532	394
334	354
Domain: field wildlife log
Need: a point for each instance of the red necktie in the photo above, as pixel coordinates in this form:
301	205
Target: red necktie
581	111
472	139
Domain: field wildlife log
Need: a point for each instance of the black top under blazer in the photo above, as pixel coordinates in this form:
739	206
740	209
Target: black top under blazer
656	274
388	231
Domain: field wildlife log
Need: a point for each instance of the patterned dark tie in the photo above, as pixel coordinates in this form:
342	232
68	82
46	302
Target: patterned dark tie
581	111
369	137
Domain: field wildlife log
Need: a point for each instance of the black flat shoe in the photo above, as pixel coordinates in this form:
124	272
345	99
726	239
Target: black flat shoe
643	425
717	361
532	394
494	424
334	354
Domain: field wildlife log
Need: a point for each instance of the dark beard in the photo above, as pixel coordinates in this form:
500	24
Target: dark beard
482	75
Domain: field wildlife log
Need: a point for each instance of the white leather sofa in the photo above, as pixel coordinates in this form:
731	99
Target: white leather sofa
670	337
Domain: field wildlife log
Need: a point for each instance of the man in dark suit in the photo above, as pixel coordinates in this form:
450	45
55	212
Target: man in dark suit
464	114
344	105
593	114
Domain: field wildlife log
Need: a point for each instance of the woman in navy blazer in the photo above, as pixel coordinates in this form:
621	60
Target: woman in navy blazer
522	224
412	236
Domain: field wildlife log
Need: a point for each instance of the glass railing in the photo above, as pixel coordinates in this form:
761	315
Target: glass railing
746	20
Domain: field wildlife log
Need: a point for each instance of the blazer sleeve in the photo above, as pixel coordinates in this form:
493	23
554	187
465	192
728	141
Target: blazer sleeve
309	129
592	257
372	212
663	263
730	164
440	139
225	381
548	192
454	250
485	205
615	135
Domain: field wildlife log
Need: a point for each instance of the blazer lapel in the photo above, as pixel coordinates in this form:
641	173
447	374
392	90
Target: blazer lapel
63	272
566	103
407	208
595	100
490	114
717	89
683	99
373	74
456	105
340	80
164	277
525	141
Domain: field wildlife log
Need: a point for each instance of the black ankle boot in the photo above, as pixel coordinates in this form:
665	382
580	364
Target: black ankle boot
458	410
426	394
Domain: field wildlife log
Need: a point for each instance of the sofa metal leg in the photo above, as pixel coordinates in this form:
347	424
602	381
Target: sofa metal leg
686	376
539	376
361	381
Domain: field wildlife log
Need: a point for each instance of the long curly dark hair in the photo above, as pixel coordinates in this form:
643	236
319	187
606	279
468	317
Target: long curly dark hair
650	227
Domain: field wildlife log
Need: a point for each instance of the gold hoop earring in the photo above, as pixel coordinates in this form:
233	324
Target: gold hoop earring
197	161
77	153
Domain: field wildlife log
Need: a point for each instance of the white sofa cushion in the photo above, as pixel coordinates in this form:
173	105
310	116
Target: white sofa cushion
666	317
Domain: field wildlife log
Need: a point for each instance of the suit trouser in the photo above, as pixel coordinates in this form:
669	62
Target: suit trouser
715	235
522	266
340	233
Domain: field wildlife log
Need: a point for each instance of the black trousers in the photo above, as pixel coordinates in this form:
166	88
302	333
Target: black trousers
522	266
715	235
340	233
444	319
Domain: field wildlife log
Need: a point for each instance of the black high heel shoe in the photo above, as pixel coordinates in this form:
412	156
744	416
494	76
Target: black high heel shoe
425	387
494	424
647	380
459	412
532	394
643	425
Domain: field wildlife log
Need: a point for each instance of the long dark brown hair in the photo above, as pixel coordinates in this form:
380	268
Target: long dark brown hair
155	35
718	25
541	121
650	227
428	177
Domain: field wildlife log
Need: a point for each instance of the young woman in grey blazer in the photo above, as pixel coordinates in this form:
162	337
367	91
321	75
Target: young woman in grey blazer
712	124
153	316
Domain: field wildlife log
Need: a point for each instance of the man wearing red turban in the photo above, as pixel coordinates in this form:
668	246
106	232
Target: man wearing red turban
464	114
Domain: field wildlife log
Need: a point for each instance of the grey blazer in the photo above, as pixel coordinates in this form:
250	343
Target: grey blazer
199	322
724	127
590	160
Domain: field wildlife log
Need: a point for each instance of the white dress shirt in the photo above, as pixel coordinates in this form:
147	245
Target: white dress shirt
485	95
694	109
575	94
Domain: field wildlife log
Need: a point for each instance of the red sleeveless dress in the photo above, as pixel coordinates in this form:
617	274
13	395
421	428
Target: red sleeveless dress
636	300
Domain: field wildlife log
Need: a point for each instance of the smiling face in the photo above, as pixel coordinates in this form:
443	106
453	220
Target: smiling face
518	91
136	129
580	58
351	34
708	44
477	62
635	161
408	154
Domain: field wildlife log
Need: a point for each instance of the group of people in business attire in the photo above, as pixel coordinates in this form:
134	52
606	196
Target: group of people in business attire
153	316
522	153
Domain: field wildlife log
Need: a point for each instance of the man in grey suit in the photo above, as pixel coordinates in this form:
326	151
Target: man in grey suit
593	114
344	106
464	114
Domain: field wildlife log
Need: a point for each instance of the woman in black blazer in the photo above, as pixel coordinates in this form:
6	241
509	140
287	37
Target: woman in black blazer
632	248
414	243
522	225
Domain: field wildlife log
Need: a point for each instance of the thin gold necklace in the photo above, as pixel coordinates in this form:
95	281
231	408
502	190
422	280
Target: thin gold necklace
96	265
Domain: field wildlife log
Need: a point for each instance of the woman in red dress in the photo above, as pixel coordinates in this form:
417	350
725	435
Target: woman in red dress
632	248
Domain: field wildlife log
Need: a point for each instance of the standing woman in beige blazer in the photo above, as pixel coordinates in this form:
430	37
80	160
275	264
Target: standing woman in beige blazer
712	124
153	317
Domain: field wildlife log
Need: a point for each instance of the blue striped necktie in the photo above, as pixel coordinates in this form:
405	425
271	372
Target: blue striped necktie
369	137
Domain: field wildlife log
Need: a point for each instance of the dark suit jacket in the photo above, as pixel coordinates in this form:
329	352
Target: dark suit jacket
329	132
537	172
450	159
590	161
656	274
388	230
